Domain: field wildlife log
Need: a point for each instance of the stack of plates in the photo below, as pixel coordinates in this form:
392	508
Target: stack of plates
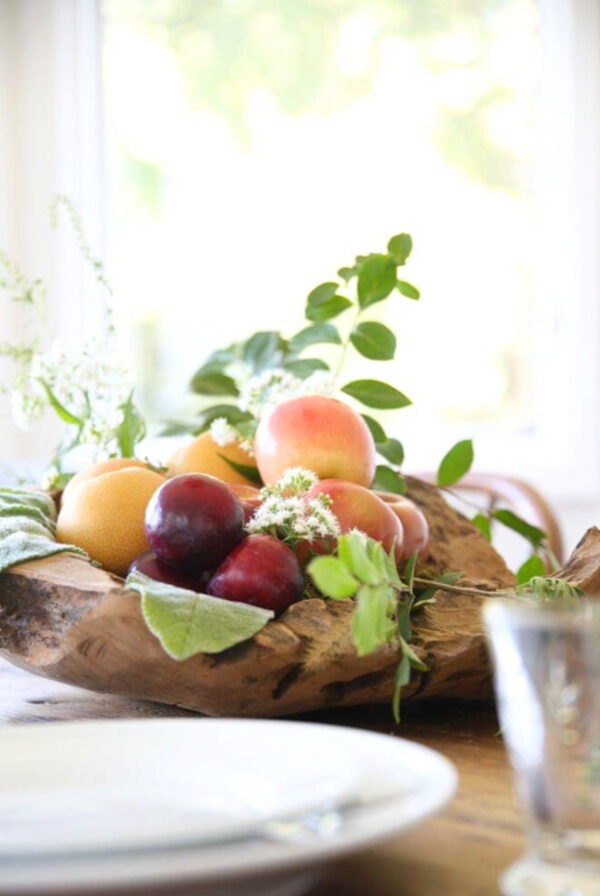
201	803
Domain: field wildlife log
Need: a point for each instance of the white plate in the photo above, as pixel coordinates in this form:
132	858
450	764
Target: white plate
115	804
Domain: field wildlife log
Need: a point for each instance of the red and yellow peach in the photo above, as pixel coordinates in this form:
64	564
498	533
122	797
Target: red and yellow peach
319	433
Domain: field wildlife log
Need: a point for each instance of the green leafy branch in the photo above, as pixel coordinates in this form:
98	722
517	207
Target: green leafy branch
386	600
361	569
376	279
372	278
96	264
455	464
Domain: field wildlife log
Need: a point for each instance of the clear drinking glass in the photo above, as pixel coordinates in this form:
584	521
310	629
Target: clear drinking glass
547	673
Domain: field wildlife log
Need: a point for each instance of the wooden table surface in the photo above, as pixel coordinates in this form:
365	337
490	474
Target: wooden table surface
459	853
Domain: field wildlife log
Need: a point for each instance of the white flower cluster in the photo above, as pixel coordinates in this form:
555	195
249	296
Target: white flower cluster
265	390
292	517
296	480
88	386
222	432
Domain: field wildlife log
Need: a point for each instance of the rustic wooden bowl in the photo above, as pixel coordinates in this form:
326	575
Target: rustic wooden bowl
67	620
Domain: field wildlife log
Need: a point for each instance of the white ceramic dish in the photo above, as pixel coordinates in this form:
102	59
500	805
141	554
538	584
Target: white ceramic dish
150	804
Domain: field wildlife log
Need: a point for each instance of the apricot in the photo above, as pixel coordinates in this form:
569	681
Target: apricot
358	508
414	523
103	466
319	433
204	455
104	515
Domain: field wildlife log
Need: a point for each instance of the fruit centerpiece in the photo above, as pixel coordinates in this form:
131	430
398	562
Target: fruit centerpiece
279	561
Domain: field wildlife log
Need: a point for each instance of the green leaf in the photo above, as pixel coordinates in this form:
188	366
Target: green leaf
387	480
535	536
249	472
482	522
400	247
456	463
371	626
221	357
303	367
348	273
322	293
179	428
374	341
353	553
407	289
207	382
404	611
317	334
327	310
132	428
376	279
378	557
448	578
415	662
377	430
392	575
409	570
332	577
375	394
392	450
263	350
532	567
247	428
402	678
231	412
187	623
323	303
65	415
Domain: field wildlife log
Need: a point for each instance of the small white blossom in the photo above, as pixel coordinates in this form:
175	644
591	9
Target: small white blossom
247	446
321	382
25	408
297	480
259	394
222	432
322	518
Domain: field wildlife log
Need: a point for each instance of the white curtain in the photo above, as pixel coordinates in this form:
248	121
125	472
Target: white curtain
51	141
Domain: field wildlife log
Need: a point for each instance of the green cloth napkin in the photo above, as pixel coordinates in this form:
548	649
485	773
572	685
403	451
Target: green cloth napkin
187	623
27	527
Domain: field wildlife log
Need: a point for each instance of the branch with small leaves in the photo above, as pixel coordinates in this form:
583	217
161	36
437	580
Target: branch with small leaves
360	569
267	367
88	392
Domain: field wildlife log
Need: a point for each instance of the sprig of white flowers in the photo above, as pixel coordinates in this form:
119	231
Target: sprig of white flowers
289	515
258	394
89	391
223	433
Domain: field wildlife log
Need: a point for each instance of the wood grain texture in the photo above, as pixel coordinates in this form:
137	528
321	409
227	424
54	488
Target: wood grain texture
458	853
66	620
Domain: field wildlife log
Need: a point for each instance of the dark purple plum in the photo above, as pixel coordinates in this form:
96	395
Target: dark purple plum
261	571
193	521
155	568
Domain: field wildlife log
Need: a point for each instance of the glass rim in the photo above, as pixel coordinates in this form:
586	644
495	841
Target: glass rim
519	611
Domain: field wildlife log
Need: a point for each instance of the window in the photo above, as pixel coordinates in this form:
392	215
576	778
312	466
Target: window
253	147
